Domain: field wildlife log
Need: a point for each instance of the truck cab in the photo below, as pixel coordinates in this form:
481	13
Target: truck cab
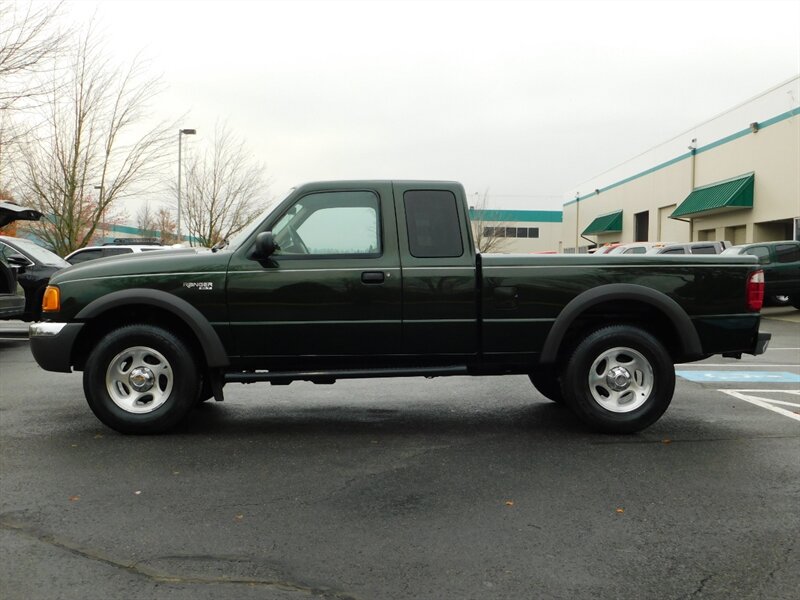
377	271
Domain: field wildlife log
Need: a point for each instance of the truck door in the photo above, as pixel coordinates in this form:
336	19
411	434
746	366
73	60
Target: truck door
440	314
787	268
332	289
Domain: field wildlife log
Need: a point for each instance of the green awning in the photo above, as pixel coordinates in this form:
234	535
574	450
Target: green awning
733	194
610	223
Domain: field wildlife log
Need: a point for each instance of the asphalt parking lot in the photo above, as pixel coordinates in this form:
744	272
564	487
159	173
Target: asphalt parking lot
451	488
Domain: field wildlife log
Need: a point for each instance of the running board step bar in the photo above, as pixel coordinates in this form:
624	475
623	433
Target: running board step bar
329	376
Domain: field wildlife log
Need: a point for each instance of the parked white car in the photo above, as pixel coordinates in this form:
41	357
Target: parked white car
93	252
690	248
671	248
632	248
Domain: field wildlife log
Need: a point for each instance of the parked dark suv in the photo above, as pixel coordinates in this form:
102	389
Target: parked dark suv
35	267
12	296
781	264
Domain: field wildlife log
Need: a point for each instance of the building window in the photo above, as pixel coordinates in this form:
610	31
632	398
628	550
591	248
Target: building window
511	232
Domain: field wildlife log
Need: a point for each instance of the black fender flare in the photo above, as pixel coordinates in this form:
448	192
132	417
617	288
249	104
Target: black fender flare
687	334
209	341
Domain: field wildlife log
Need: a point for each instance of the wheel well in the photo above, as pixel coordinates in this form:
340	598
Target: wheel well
622	312
129	314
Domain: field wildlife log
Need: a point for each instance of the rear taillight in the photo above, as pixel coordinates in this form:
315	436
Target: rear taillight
755	291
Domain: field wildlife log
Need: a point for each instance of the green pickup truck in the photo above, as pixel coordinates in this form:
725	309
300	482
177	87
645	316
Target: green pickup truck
360	279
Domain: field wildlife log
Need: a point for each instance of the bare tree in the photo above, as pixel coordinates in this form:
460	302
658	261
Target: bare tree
225	190
488	232
165	226
146	220
29	44
92	138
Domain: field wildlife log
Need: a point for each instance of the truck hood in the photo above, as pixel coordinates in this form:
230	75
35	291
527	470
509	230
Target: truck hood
142	263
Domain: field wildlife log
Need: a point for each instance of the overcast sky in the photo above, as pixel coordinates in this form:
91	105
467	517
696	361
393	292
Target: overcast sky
524	99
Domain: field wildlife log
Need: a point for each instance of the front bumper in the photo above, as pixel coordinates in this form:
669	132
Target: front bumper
52	344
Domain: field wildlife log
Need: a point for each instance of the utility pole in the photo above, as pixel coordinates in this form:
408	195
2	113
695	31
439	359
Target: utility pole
181	132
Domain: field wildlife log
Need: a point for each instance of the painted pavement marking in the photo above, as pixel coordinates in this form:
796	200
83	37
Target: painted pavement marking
769	403
733	365
735	376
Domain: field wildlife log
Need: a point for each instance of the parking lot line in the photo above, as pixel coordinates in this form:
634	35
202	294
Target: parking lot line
767	403
734	365
739	375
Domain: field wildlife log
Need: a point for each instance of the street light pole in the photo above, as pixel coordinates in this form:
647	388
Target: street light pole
102	212
181	132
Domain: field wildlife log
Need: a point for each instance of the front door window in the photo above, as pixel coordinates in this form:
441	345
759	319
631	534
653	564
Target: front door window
330	224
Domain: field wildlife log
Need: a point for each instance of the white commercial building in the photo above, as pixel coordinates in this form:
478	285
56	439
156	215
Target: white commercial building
516	231
735	177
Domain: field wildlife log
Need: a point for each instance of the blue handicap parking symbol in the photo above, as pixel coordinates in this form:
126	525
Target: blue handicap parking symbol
740	376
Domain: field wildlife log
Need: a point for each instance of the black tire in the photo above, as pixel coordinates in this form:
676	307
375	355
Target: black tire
794	300
205	393
547	384
36	308
777	301
619	379
143	355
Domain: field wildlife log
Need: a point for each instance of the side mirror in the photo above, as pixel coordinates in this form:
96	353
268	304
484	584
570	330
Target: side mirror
265	244
19	262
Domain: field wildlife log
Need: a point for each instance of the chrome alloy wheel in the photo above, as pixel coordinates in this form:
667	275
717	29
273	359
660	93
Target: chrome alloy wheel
139	379
621	380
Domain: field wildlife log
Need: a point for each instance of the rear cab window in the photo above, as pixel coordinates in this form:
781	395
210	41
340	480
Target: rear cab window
433	224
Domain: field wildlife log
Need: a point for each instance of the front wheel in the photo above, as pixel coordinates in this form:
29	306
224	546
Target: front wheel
141	379
619	379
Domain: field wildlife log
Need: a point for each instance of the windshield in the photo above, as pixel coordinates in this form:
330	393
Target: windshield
733	250
235	241
39	254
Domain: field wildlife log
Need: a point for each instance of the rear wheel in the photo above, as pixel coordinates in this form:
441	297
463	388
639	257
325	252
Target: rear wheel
778	301
141	379
619	379
205	393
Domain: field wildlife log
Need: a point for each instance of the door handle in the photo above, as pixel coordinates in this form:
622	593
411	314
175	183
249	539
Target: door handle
372	277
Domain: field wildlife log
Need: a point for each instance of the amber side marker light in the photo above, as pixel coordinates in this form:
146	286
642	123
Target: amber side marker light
51	302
